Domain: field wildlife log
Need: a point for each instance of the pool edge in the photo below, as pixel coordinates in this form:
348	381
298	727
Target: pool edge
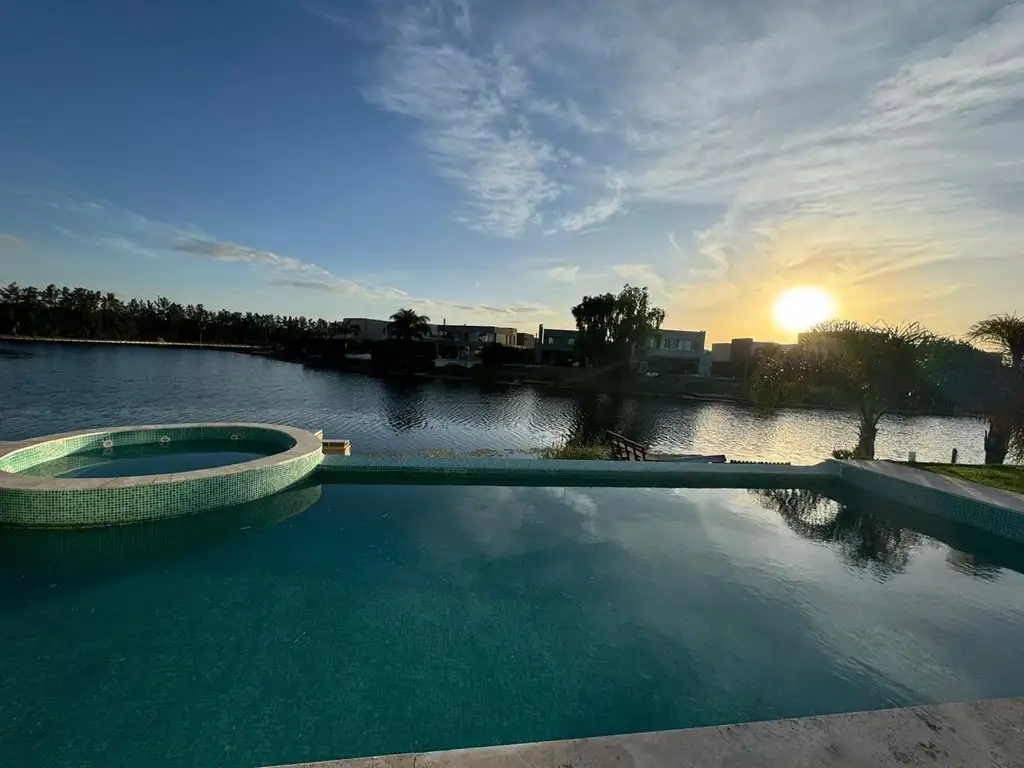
975	734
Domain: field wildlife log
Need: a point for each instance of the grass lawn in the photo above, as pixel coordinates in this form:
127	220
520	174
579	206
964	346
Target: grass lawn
1009	478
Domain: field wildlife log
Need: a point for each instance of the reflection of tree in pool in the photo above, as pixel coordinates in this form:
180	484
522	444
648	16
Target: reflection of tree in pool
596	413
973	565
403	404
862	539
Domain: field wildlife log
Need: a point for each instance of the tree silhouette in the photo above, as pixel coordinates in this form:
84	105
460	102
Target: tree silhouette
80	313
871	368
407	325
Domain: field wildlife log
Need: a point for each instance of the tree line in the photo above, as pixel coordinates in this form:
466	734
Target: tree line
84	314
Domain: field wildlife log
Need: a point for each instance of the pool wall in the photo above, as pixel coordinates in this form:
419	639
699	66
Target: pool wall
989	509
48	501
595	474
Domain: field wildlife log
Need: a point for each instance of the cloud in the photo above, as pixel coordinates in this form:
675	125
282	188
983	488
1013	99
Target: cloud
875	137
465	103
233	252
642	274
9	242
591	217
561	274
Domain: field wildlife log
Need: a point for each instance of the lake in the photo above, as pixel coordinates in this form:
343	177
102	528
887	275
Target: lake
51	388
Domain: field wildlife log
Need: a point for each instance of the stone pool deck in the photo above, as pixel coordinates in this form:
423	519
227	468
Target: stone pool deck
975	734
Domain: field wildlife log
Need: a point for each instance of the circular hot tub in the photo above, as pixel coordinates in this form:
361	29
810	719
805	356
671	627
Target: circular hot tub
130	474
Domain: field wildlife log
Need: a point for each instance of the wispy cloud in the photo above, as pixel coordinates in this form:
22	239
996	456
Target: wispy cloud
890	127
233	252
560	274
464	103
641	274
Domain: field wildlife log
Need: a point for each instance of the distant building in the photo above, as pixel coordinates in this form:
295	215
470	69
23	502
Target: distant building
526	340
555	346
735	358
721	352
672	351
367	329
467	340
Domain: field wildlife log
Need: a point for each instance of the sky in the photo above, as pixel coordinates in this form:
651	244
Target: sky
486	161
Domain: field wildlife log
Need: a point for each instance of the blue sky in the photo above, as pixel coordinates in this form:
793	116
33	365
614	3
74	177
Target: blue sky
491	161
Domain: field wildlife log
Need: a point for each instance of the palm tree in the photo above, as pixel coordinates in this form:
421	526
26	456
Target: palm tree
966	378
407	324
870	368
1005	332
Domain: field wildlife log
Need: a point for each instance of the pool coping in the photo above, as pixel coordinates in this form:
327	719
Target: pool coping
970	734
990	509
305	442
595	473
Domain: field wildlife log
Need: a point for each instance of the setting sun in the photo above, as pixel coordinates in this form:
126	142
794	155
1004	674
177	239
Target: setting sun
797	309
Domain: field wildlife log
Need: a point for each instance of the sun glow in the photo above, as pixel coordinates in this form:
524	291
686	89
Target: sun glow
797	309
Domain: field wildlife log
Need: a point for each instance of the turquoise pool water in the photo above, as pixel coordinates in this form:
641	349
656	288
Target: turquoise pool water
341	620
154	458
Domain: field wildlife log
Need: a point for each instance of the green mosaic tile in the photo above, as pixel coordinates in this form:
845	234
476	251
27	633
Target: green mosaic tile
57	502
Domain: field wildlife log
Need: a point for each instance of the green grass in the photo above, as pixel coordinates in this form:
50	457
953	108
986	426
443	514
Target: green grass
1006	477
573	451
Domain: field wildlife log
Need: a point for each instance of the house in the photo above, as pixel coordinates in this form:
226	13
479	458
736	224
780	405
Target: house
467	340
526	340
555	346
367	329
735	358
672	351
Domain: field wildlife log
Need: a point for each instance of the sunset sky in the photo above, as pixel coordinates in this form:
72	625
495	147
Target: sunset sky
491	161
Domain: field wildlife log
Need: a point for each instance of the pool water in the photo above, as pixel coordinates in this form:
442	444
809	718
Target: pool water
154	458
339	620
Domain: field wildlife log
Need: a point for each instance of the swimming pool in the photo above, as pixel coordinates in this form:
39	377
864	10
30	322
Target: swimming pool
153	458
340	619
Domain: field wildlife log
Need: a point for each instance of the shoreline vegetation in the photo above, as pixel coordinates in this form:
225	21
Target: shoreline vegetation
874	370
688	387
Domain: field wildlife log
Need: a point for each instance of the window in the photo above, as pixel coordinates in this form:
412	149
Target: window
549	340
571	341
665	344
686	346
652	343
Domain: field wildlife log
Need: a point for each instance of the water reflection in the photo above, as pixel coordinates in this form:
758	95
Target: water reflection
90	553
862	540
593	414
60	389
886	543
403	404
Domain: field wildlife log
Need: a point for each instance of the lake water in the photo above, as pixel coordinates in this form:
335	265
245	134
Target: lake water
52	388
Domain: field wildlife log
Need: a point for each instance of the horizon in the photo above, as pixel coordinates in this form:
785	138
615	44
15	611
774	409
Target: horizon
492	165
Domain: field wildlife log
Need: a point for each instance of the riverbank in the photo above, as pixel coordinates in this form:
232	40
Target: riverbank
127	343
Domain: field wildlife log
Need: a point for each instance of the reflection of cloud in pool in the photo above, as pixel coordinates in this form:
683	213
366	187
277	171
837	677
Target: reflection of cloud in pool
141	543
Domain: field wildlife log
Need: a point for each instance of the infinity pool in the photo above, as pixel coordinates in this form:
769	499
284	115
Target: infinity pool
153	458
342	620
